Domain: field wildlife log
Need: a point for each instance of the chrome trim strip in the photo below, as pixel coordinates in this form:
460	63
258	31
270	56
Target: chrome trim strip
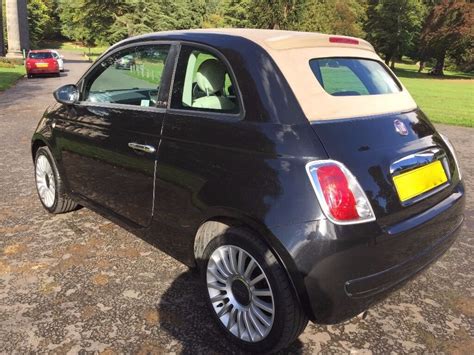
416	160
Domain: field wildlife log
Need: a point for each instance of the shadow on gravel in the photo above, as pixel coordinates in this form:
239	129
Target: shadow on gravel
183	313
66	61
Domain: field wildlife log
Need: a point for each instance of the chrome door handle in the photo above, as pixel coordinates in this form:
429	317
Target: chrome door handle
142	147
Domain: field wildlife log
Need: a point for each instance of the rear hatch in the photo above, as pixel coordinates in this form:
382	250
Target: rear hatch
377	149
401	162
41	61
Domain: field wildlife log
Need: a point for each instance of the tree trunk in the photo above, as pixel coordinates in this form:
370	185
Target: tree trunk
438	70
422	66
388	57
392	64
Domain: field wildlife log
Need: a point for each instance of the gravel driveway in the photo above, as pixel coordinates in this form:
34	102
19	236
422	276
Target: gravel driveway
78	282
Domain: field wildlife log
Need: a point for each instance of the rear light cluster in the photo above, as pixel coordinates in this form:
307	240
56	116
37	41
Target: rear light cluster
453	153
341	197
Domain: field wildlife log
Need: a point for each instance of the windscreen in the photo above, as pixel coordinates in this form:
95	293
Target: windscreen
353	76
40	55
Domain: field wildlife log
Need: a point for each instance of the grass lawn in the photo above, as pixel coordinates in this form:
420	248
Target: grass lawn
9	76
445	100
148	71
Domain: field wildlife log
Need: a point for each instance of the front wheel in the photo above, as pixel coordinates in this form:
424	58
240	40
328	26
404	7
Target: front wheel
249	293
49	185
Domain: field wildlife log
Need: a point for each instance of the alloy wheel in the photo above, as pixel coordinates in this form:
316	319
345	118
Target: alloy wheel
45	182
240	293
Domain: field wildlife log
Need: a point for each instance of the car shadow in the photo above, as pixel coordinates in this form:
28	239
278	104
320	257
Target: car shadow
46	76
183	313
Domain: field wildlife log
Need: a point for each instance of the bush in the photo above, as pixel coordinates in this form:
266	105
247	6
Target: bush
6	65
12	61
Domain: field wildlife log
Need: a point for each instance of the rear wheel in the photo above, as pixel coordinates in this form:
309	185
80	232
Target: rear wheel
49	185
249	293
29	76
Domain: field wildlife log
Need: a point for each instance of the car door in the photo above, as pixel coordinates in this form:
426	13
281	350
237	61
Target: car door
109	140
199	133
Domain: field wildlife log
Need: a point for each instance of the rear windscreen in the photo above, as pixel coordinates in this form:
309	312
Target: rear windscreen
353	76
41	55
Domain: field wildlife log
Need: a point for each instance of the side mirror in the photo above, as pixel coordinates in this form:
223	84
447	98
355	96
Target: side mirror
67	94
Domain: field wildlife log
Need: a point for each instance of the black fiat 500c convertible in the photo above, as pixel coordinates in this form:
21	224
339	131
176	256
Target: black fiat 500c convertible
293	169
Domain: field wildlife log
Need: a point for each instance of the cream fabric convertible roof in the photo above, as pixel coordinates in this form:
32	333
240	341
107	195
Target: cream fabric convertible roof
292	52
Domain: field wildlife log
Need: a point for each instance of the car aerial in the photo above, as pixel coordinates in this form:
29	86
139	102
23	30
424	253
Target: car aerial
60	59
41	62
293	169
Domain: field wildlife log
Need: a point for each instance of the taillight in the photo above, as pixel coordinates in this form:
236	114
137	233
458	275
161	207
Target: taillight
341	197
453	153
344	40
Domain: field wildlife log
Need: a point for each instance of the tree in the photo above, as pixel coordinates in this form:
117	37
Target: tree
87	21
237	14
39	20
448	29
276	14
393	25
214	14
344	17
134	17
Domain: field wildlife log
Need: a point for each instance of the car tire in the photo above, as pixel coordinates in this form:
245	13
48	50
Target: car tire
29	76
49	185
262	317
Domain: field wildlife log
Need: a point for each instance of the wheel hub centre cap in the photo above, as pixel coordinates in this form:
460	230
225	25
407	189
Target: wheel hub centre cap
241	292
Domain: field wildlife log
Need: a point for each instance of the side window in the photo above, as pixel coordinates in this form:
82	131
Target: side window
129	77
202	82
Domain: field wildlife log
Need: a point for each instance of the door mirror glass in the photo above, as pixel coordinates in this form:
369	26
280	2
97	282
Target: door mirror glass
67	94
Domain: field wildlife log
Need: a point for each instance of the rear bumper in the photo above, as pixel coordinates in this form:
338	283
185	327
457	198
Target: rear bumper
346	269
43	71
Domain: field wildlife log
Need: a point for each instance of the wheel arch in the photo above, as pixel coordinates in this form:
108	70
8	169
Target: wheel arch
36	144
215	226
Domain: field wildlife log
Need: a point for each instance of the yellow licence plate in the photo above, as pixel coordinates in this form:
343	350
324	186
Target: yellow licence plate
421	180
42	65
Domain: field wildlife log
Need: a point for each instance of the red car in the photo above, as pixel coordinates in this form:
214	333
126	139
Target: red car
41	62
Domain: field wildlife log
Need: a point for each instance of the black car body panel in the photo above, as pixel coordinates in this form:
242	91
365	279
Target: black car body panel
249	169
346	269
370	147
